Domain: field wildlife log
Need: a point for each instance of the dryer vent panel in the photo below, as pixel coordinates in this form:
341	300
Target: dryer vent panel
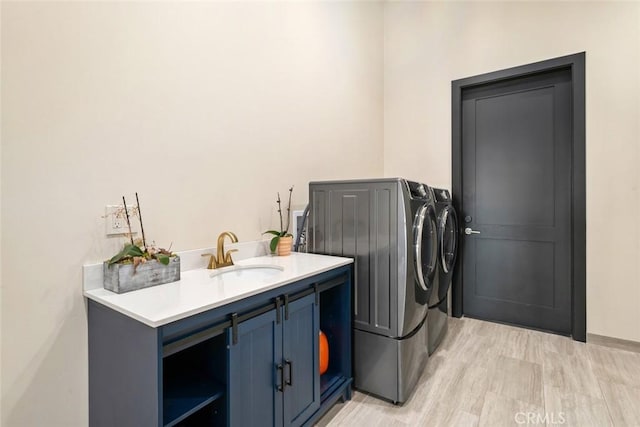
360	220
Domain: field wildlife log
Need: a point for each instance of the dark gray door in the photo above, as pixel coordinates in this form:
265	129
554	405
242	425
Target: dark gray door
516	192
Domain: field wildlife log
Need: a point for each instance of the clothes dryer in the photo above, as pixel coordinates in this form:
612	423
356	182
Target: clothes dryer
438	320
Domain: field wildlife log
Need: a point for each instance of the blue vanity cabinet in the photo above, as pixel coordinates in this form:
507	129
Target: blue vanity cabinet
252	362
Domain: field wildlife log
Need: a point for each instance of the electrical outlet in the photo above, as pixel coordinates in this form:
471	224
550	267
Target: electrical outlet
116	220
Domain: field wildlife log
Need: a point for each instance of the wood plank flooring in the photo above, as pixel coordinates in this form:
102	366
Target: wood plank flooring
487	374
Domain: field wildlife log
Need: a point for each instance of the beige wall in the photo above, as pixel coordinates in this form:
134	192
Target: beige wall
205	109
427	45
191	105
0	222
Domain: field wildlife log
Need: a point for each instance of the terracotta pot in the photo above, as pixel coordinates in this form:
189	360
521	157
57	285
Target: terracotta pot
284	246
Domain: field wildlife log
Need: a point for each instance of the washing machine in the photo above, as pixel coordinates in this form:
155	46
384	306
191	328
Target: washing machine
447	236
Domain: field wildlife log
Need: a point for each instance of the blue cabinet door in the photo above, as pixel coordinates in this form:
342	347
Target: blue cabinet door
254	374
300	352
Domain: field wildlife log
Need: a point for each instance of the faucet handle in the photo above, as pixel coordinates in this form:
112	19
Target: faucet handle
227	256
212	260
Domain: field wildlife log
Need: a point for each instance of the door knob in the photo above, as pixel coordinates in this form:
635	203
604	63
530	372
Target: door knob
468	231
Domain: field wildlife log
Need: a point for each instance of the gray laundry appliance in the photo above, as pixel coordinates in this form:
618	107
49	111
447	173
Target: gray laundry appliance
389	227
438	321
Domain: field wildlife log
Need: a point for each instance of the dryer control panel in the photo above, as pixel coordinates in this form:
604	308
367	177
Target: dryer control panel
441	195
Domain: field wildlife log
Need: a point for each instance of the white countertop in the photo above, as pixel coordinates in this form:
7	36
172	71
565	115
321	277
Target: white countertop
197	292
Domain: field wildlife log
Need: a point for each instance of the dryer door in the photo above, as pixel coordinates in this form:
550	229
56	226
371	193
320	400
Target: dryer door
425	246
448	247
448	238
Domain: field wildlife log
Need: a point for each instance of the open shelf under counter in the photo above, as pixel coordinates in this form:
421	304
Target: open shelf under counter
183	397
329	382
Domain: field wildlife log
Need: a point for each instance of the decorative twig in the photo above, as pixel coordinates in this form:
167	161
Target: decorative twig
279	210
144	242
289	210
126	211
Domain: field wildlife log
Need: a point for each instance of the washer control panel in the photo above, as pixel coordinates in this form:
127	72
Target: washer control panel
419	190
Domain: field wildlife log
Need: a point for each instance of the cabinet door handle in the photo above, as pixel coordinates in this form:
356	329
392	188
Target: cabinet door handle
278	304
286	307
289	363
281	385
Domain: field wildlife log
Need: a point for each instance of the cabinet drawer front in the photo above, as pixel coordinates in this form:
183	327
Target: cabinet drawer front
252	375
300	352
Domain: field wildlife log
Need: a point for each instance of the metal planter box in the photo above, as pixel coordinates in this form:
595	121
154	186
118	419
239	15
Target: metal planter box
119	278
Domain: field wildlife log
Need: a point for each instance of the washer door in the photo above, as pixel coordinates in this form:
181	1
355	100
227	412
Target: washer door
425	245
448	239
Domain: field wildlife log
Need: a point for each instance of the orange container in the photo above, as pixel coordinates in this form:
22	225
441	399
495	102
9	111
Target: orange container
324	353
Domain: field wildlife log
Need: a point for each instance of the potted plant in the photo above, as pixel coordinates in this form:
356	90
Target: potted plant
282	241
139	265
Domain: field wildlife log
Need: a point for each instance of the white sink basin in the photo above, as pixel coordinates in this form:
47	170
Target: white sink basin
247	273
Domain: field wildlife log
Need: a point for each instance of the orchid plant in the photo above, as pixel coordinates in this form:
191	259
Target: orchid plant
137	252
284	231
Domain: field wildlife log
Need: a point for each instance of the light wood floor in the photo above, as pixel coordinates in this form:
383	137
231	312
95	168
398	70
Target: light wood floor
487	374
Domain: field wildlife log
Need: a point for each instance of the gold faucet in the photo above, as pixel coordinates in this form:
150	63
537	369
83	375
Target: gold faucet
223	259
